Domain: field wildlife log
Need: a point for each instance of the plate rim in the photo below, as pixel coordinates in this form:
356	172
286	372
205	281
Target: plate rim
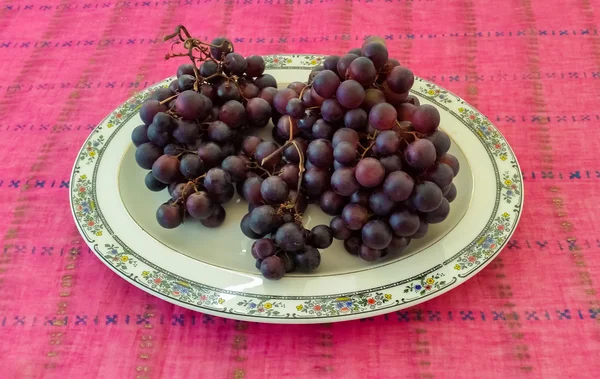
271	311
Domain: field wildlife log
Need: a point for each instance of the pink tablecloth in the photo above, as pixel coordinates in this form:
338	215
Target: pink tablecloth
533	67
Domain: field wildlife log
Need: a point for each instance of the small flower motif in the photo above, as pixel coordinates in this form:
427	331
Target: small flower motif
418	287
508	182
119	115
84	177
509	193
313	62
252	305
81	189
157	280
92	153
503	157
497	146
276	60
348	303
371	301
221	300
124	258
91	223
505	215
203	297
89	148
299	307
110	125
176	293
471	258
500	227
345	310
99	233
268	305
145	273
431	92
289	61
461	109
261	310
472	117
317	307
339	305
514	186
388	296
430	280
428	287
457	266
493	246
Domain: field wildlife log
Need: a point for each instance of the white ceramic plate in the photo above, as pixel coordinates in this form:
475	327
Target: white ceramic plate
212	270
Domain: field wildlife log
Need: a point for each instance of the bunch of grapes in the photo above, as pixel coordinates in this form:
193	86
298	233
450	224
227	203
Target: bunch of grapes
350	139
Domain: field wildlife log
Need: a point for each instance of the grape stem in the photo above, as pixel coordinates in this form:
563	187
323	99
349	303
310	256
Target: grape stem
254	165
278	151
308	86
169	99
370	145
300	170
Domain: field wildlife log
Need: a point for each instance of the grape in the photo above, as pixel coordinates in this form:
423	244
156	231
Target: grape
216	219
263	219
344	64
211	154
199	205
227	91
426	196
220	47
343	181
355	216
392	97
186	82
173	86
320	153
214	113
451	161
287	126
263	150
345	135
404	223
400	79
440	174
376	234
185	69
161	94
265	80
426	118
316	99
219	132
186	132
228	149
182	191
255	65
363	71
451	194
356	119
291	152
245	227
352	245
420	154
224	196
169	216
412	99
368	254
439	214
191	105
191	166
387	68
234	64
233	114
149	109
322	129
397	245
235	167
422	231
321	236
350	94
250	91
356	51
369	172
326	83
295	108
306	122
249	145
332	203
152	184
301	201
398	186
388	142
330	62
288	262
361	197
274	190
405	111
297	87
391	163
263	248
308	259
289	174
380	204
382	116
332	110
344	153
268	94
166	169
290	237
373	97
139	135
440	141
280	101
217	181
158	137
208	68
276	134
376	52
316	181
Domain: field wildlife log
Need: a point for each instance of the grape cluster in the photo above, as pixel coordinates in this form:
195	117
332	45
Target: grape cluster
351	139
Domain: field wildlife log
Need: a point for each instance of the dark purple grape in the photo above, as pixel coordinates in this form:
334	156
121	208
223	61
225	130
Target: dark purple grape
316	181
391	163
290	237
173	86
339	229
263	150
191	166
398	186
382	116
139	135
157	137
186	132
451	193
245	227
305	124
235	167
332	203
363	71
425	118
350	94
344	64
288	261
291	152
185	69
373	97
295	108
263	248
281	99
251	190
233	114
439	214
217	181
182	191
274	190
228	149
289	174
344	153
326	83
440	174
219	132
361	197
322	129
420	154
369	172
345	135
169	216
440	141
166	169
376	52
388	142
235	64
343	181
355	216
397	245
308	259
186	82
368	254
255	65
250	91
276	134
265	80
227	91
152	184
257	264
199	205
297	87
211	154
426	197
330	62
214	113
249	145
332	110
380	204
263	219
192	106
413	100
451	161
220	47
268	94
287	126
316	99
396	99
149	109
400	79
376	234
321	236
320	153
208	68
356	119
422	231
405	111
216	219
161	94
352	245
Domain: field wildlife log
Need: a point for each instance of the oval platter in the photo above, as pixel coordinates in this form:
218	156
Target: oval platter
212	270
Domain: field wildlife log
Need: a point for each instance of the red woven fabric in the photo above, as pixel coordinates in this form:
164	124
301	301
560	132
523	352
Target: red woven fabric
531	66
